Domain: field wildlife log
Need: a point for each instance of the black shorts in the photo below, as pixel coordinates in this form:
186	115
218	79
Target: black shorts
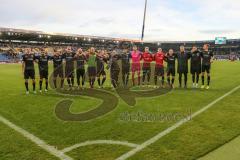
206	68
146	70
92	71
43	74
196	69
58	72
29	74
159	71
171	71
69	72
80	73
114	75
101	73
126	70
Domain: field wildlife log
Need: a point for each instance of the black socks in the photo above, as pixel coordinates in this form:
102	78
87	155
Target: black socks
173	80
202	80
185	79
26	86
40	84
193	78
103	80
99	81
168	79
163	80
62	82
197	79
180	80
34	85
209	80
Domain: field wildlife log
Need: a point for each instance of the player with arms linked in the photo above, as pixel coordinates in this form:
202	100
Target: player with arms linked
58	68
136	56
207	60
101	59
92	66
125	58
42	60
183	58
69	67
171	71
28	69
147	59
195	66
159	67
80	59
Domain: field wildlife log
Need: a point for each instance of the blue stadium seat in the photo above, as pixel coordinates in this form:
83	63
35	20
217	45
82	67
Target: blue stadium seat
4	58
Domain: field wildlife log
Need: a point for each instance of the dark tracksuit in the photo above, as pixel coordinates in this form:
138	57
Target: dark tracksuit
182	66
114	69
195	65
125	57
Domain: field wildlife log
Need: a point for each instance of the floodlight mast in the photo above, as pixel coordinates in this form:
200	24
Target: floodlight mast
144	18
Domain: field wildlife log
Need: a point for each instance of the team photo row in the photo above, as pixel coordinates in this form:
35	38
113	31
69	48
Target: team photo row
90	66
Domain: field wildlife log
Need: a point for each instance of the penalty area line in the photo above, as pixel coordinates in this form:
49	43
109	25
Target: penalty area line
87	143
42	144
176	125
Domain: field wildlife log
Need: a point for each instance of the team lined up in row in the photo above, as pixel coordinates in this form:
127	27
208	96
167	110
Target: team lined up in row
200	63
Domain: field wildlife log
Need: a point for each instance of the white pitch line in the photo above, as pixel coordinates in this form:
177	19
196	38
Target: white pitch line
68	149
50	149
170	129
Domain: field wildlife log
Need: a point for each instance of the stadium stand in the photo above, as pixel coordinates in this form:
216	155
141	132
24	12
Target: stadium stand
13	42
3	58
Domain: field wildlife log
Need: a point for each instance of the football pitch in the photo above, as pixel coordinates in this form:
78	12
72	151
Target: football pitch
194	122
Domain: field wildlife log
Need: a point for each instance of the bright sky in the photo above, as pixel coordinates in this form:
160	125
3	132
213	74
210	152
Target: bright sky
166	19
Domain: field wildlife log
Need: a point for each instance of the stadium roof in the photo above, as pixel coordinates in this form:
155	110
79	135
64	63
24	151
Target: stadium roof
30	35
12	31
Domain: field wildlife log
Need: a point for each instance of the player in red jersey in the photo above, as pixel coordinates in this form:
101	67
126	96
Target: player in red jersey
159	68
136	65
147	59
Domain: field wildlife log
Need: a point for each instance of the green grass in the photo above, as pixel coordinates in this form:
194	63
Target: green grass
203	134
230	149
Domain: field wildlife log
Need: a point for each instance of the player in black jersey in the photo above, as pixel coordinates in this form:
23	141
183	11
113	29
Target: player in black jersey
80	59
207	60
195	65
28	69
69	67
101	59
125	58
58	68
183	58
171	60
43	59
